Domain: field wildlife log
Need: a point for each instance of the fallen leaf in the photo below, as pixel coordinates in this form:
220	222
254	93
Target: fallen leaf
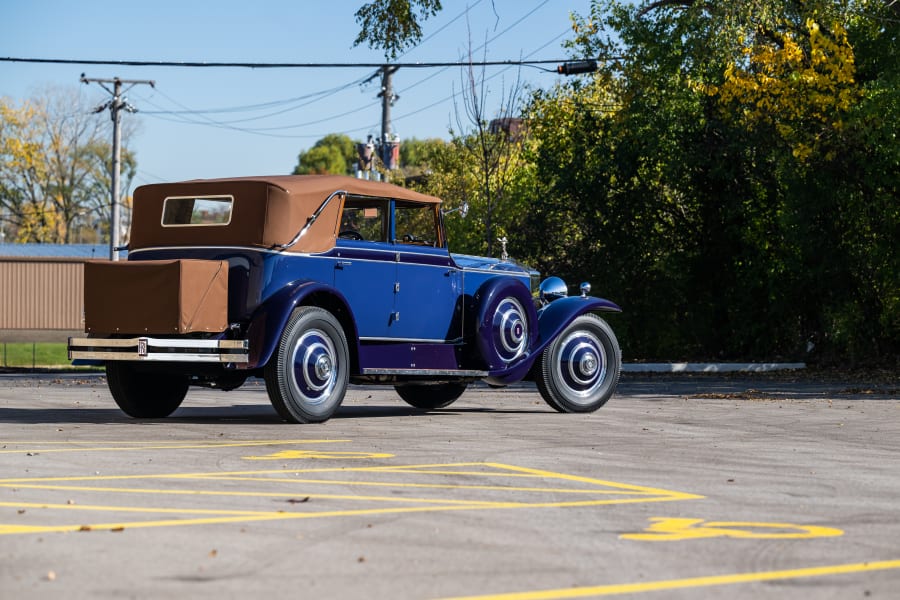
84	528
213	553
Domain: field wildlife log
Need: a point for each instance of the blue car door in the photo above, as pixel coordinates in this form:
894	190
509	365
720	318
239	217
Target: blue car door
428	302
365	267
428	299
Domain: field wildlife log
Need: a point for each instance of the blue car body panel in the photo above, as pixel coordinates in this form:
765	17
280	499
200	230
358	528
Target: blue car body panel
411	308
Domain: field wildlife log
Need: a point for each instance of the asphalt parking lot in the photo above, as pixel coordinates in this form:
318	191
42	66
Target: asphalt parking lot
681	487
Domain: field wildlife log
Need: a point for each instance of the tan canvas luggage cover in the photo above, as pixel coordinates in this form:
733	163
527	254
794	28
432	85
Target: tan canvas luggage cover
155	296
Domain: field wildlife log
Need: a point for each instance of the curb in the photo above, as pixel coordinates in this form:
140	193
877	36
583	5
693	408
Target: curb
710	367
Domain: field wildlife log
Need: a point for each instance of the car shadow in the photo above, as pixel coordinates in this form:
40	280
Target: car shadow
253	414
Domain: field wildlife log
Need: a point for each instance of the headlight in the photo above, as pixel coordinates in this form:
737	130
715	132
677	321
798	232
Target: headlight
553	288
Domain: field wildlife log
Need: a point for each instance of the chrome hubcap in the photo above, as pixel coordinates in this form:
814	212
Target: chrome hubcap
315	370
510	330
582	364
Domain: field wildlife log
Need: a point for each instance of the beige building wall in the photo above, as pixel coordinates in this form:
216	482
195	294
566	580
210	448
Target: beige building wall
40	295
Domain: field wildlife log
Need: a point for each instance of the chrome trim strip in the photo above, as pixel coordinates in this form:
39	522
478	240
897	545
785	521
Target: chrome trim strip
312	219
445	372
223	248
403	340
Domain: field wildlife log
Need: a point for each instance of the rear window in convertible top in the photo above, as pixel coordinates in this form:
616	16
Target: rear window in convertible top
181	211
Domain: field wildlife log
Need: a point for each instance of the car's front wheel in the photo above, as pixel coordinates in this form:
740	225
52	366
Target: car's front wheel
579	371
145	394
307	377
431	396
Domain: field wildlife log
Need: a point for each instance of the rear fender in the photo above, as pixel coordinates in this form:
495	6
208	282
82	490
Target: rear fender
270	318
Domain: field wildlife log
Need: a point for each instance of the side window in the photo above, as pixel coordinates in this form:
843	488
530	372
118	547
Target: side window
186	211
415	224
364	219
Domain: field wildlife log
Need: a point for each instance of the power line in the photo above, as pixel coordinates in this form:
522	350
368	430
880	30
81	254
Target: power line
261	65
199	117
455	94
482	46
183	116
312	97
443	27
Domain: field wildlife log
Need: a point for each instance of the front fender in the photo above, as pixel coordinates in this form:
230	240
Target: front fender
557	315
552	319
270	317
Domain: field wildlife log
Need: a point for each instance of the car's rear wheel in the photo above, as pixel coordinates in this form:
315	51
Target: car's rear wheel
307	377
431	396
145	394
579	371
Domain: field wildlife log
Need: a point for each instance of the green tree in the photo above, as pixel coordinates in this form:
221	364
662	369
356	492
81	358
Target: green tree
416	153
728	177
54	167
456	178
335	154
393	25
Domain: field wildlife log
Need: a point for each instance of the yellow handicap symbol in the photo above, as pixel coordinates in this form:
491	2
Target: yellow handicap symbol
667	530
295	454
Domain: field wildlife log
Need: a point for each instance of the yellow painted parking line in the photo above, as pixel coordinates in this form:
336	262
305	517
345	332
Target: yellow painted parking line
437	486
691	582
271	516
321	454
603	492
109	508
38	447
497	470
678	529
256	494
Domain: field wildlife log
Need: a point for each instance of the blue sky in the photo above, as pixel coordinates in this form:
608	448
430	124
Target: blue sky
301	105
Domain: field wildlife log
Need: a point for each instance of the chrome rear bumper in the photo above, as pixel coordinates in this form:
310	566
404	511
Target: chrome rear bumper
160	349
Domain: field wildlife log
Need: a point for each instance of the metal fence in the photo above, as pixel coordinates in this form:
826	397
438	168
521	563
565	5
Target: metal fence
41	294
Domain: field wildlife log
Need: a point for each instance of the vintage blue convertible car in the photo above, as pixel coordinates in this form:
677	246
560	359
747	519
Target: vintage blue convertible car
315	282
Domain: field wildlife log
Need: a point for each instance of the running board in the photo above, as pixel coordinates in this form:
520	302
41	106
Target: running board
438	372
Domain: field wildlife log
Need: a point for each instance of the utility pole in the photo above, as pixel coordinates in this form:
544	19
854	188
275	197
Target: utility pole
115	105
387	101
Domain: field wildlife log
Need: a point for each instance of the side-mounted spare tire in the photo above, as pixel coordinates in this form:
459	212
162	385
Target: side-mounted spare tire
579	370
506	322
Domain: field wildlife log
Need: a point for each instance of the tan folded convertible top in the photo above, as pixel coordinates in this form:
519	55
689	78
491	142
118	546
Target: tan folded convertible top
267	211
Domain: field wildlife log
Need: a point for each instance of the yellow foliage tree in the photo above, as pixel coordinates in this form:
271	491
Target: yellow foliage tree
55	169
802	82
